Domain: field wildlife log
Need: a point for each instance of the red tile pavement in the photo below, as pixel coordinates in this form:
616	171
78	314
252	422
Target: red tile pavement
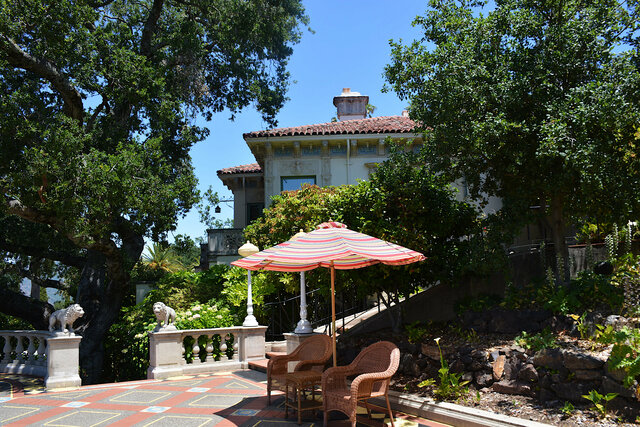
229	399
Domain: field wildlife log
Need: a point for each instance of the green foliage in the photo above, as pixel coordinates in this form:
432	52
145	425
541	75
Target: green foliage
450	386
582	325
625	353
587	292
127	344
213	314
536	342
568	409
415	332
599	401
627	278
98	116
477	303
404	202
533	102
427	383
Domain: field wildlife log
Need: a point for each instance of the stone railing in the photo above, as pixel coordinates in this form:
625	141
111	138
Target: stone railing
42	354
200	351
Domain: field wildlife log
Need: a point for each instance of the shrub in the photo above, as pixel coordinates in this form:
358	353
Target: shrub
536	342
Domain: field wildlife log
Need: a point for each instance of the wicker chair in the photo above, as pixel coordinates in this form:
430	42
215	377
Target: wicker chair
312	355
374	367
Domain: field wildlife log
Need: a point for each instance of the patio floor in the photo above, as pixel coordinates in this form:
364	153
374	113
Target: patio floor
230	399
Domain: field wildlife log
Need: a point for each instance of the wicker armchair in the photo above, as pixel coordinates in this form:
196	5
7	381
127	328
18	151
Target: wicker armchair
312	355
373	367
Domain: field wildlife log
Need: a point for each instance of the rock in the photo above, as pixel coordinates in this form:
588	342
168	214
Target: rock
618	322
466	359
604	267
482	379
510	371
588	374
431	351
457	366
571	391
494	355
498	367
467	376
546	395
422	363
575	361
479	365
545	381
615	374
409	366
548	357
518	348
513	387
611	386
528	373
521	356
465	349
481	355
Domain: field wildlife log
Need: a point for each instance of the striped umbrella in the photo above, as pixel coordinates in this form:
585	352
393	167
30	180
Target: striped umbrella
331	245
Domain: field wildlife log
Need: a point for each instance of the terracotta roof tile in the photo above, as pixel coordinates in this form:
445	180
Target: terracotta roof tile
250	168
388	124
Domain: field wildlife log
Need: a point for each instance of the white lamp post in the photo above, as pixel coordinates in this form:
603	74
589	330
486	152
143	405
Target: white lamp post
303	327
244	251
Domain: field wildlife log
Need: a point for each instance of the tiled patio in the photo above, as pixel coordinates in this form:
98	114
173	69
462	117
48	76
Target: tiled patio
229	399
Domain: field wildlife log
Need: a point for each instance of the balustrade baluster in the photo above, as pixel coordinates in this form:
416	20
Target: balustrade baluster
235	347
209	349
183	359
196	350
6	350
223	348
31	349
41	352
19	349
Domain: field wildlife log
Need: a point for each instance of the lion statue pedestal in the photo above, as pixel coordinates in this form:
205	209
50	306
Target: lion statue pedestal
61	321
166	316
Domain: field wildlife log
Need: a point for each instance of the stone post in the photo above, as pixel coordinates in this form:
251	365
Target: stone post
63	360
165	354
251	346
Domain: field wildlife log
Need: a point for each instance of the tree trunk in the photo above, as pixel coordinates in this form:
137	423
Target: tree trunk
558	227
103	286
19	305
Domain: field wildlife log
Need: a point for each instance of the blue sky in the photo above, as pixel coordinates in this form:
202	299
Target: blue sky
349	48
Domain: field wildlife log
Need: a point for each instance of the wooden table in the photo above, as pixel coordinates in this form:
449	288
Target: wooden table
299	382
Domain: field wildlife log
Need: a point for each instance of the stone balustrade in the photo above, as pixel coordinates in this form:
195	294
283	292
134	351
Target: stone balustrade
43	354
199	351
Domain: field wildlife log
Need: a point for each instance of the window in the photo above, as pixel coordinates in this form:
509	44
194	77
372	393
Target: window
291	183
254	211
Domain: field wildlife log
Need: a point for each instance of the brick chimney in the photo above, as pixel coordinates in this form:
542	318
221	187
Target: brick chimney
351	105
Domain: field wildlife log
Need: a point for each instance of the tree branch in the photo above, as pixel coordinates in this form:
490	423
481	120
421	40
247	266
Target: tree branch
45	283
60	256
150	28
30	309
19	58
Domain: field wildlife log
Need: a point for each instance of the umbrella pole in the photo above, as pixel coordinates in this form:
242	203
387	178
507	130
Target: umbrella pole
333	314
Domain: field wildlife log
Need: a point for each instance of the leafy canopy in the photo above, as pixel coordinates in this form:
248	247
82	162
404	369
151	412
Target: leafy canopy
535	102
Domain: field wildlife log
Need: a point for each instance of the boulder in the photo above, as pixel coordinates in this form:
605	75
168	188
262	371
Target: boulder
588	374
409	366
548	357
498	367
611	386
513	387
528	374
430	351
482	379
571	391
578	361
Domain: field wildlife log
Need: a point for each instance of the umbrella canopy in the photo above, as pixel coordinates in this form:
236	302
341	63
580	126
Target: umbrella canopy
331	245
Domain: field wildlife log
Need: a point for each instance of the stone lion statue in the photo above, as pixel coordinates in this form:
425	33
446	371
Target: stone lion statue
165	315
64	318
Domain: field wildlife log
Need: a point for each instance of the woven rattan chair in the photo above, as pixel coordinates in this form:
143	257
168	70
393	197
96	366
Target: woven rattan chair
373	367
312	355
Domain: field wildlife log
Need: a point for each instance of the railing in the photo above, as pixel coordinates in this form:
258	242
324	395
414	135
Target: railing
285	313
200	351
43	354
